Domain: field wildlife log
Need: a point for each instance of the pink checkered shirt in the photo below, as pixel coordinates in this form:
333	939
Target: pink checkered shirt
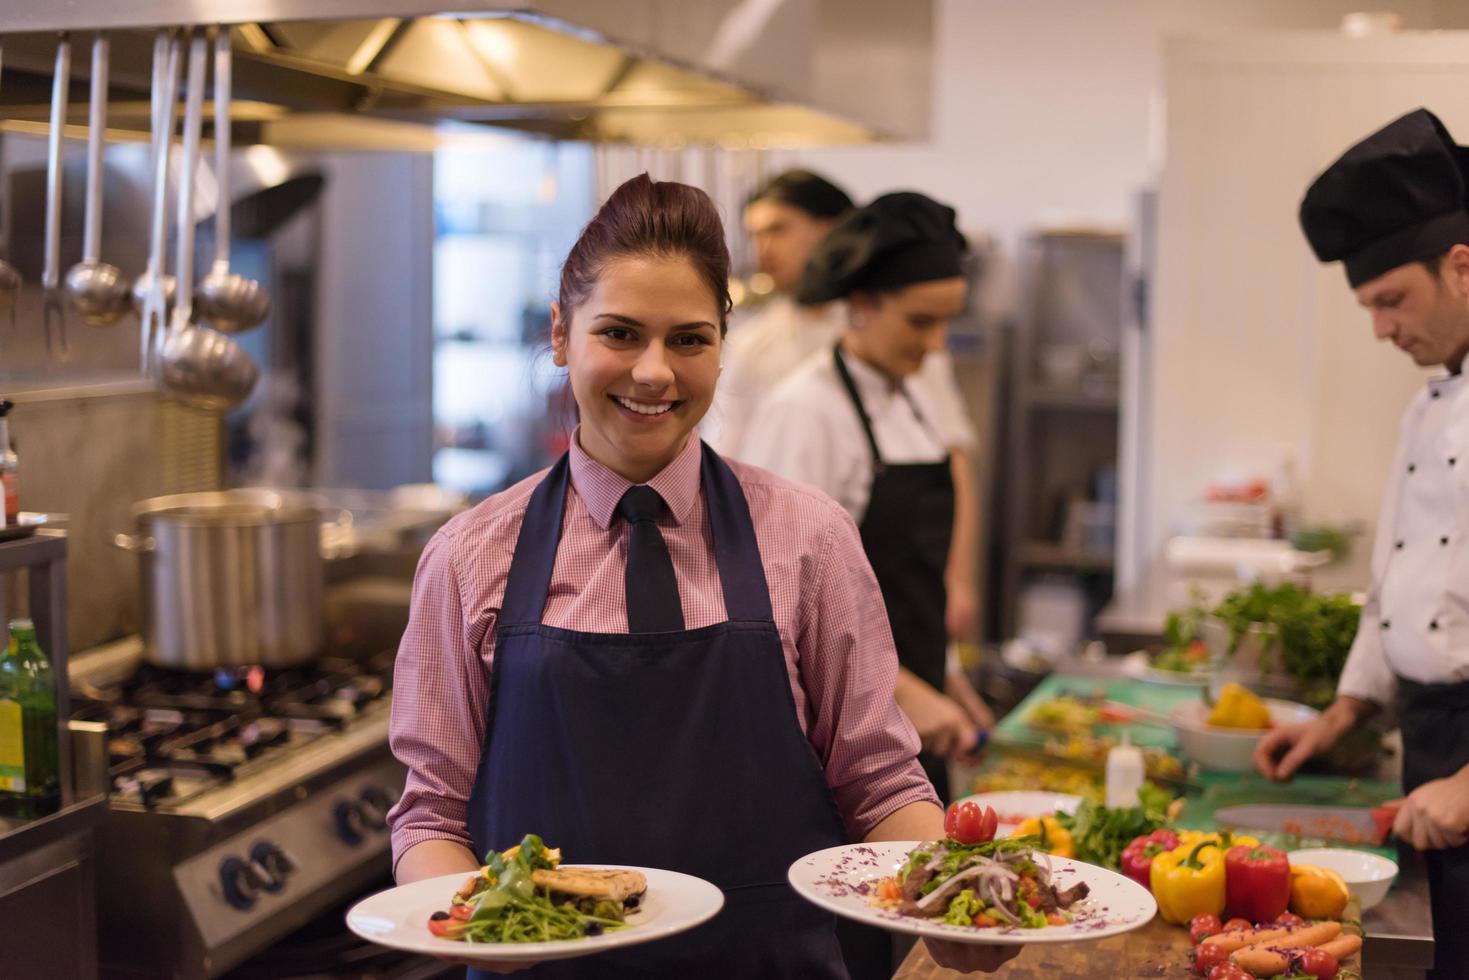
838	646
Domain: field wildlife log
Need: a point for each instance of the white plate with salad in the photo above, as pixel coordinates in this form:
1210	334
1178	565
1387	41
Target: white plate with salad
1000	892
534	908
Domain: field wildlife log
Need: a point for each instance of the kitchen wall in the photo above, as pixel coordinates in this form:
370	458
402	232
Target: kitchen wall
1052	112
1050	108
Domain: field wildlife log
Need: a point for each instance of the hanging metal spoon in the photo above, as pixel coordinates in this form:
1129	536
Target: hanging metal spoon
9	288
199	366
229	301
165	95
97	289
53	310
153	315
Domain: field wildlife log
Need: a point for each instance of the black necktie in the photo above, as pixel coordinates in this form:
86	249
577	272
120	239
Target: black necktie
652	590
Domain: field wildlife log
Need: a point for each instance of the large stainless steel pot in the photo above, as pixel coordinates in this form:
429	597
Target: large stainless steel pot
229	578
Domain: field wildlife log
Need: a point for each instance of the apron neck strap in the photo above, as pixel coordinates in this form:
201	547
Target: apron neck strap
535	549
847	383
741	574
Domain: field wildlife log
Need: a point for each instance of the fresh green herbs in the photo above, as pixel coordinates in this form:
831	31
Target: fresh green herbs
1100	833
1316	632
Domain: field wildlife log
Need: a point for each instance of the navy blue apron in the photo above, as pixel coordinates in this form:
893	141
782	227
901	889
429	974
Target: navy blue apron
906	533
675	750
1434	719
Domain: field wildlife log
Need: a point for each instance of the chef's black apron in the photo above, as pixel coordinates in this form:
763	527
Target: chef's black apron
676	750
1434	719
906	533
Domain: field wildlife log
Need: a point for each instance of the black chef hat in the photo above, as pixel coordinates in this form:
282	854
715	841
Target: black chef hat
1396	197
802	189
897	240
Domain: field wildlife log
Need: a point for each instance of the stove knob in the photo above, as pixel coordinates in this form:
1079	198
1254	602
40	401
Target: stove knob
350	822
270	863
241	885
375	806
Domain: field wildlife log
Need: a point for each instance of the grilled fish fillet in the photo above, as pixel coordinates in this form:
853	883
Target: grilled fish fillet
617	884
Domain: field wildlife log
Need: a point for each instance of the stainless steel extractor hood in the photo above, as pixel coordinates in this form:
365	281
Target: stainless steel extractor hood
749	73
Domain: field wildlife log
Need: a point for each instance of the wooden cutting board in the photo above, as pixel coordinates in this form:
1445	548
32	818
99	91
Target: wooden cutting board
1157	950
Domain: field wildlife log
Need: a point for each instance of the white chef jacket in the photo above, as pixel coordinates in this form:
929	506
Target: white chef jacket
763	352
808	430
1415	623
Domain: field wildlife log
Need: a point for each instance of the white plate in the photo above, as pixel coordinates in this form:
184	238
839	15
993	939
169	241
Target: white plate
1139	669
840	879
399	917
1014	806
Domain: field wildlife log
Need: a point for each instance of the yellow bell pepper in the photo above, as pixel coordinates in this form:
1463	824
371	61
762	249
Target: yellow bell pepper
1189	880
1238	707
1317	893
1055	839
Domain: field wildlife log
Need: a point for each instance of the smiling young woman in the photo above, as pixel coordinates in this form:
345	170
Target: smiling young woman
689	660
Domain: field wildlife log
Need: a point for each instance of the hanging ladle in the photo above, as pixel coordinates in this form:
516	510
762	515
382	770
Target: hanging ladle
9	289
97	289
199	366
53	311
229	301
165	95
152	290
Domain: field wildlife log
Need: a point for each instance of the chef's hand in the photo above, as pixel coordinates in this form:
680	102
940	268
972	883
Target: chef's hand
968	958
944	728
957	686
1436	814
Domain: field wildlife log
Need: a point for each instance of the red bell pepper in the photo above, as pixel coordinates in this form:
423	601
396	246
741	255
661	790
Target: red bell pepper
1137	857
1256	883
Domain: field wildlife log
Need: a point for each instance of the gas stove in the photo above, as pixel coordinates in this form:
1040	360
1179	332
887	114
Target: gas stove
244	803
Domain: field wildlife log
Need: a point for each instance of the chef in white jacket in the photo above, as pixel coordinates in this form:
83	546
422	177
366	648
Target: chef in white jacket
1393	210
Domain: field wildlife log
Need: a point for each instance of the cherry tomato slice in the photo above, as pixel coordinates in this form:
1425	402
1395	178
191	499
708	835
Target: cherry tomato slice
963	822
989	823
446	928
1238	923
1289	919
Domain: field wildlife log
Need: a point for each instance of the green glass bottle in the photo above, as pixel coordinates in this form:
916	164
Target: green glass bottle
29	766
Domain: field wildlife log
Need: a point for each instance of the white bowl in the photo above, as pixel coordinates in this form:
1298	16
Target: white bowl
1228	749
1368	876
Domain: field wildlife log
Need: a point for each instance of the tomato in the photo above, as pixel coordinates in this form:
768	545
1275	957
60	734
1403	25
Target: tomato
1234	924
968	823
461	913
1228	971
1201	927
1319	963
446	928
1290	920
984	921
1209	955
989	824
